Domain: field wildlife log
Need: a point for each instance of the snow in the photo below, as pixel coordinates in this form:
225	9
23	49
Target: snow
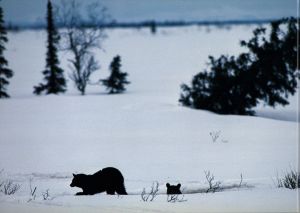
144	132
239	201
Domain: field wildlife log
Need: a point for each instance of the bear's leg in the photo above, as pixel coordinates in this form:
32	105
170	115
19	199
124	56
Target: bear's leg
121	190
80	193
110	191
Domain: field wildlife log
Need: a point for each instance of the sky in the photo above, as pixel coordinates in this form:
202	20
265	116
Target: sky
33	11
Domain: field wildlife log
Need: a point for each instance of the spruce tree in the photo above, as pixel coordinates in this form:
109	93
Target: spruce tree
5	72
267	73
53	75
273	62
115	83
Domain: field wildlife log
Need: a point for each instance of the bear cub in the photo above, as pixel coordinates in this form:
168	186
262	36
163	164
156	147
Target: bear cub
108	179
173	189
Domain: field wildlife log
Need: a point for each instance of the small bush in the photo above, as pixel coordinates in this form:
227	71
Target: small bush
215	135
213	185
150	196
46	195
290	180
175	198
9	187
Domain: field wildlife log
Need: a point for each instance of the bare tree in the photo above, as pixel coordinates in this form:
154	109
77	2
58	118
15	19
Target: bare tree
213	185
81	35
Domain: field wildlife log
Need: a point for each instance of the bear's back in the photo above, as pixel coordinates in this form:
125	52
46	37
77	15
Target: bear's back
109	174
108	171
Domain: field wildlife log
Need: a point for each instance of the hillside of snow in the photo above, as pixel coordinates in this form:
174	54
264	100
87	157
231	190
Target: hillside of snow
144	132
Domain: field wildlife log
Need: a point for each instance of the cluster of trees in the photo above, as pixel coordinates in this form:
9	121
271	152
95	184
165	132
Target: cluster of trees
267	73
76	38
80	41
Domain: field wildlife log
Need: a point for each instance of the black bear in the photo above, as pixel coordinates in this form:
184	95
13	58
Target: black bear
173	189
108	179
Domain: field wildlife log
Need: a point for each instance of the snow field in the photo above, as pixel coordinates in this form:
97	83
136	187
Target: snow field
144	132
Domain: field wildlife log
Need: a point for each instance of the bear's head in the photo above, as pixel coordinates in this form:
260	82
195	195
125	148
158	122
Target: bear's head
78	180
173	189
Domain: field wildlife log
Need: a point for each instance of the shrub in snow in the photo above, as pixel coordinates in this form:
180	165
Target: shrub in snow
116	82
267	72
291	180
5	72
150	196
173	198
46	195
215	135
32	191
8	187
213	185
54	77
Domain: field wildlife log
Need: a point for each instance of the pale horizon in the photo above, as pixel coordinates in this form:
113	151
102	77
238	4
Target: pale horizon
33	11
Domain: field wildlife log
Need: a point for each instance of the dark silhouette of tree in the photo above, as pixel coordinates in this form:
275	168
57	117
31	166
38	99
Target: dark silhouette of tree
116	82
222	90
268	72
5	72
153	27
53	75
274	61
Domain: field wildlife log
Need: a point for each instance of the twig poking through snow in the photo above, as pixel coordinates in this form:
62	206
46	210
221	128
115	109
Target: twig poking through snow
152	194
175	198
46	195
213	186
241	181
32	191
215	135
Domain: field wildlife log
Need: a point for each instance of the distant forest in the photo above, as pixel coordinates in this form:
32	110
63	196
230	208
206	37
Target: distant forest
145	24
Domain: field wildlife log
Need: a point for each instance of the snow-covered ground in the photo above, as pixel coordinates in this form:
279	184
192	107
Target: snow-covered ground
144	132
